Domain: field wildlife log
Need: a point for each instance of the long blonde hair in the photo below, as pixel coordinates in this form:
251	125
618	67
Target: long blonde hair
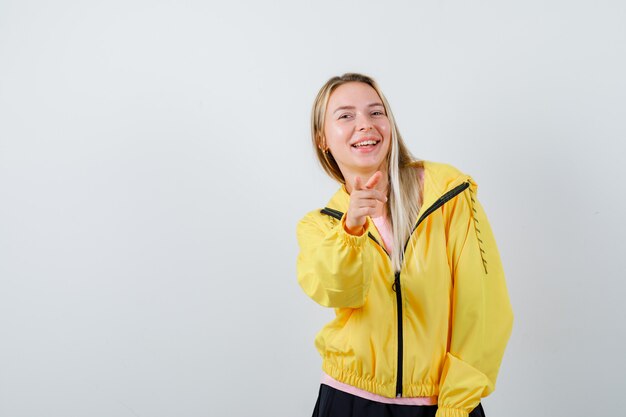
405	187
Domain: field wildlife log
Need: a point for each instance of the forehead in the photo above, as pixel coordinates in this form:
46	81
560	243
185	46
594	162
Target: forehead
353	94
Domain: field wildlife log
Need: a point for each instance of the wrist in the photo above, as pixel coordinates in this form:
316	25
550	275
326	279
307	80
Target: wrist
355	231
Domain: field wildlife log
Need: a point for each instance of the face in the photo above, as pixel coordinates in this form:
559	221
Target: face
357	129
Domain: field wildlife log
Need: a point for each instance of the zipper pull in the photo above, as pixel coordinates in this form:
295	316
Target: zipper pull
396	282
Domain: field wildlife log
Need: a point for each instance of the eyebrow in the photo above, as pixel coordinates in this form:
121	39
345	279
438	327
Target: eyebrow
352	107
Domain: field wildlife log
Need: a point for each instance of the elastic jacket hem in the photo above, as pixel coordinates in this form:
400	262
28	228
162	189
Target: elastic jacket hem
386	389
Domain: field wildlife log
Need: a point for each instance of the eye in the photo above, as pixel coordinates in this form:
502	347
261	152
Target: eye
345	114
378	113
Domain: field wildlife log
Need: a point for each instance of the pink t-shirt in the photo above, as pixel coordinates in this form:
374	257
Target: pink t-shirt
384	228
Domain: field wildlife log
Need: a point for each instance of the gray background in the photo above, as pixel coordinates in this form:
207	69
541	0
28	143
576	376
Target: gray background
155	159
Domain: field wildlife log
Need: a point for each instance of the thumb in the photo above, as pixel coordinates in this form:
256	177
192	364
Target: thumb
357	183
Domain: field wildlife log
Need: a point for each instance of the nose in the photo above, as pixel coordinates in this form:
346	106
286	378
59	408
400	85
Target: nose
364	123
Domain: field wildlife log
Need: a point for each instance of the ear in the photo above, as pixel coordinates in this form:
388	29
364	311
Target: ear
321	143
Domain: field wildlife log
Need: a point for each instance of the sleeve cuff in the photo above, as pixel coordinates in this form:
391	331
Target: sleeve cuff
355	240
451	412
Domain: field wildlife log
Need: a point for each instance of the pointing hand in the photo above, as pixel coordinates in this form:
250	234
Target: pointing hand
364	200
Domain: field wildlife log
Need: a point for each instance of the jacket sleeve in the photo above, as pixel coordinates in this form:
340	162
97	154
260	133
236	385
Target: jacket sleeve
333	266
482	317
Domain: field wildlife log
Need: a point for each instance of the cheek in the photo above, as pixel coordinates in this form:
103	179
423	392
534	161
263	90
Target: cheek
335	133
385	130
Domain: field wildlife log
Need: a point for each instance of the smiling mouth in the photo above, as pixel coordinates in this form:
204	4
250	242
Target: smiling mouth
366	143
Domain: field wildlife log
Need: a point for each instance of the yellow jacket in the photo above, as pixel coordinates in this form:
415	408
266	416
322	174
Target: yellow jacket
440	326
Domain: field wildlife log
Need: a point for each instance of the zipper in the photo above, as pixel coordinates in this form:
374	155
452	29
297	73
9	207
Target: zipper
398	289
396	286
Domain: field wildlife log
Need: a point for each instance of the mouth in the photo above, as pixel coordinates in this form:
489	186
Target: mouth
366	144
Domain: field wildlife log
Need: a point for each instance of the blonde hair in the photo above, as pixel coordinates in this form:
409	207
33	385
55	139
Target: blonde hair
405	187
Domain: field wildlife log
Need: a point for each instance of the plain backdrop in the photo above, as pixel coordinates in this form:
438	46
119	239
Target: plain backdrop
155	157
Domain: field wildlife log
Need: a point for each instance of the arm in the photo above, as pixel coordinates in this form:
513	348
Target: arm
333	266
482	317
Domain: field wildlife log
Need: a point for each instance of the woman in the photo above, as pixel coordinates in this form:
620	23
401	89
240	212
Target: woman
404	254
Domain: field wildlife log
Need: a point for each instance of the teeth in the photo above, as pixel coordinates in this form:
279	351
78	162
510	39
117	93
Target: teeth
364	143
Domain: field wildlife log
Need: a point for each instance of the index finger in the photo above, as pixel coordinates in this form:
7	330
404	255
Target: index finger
371	183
